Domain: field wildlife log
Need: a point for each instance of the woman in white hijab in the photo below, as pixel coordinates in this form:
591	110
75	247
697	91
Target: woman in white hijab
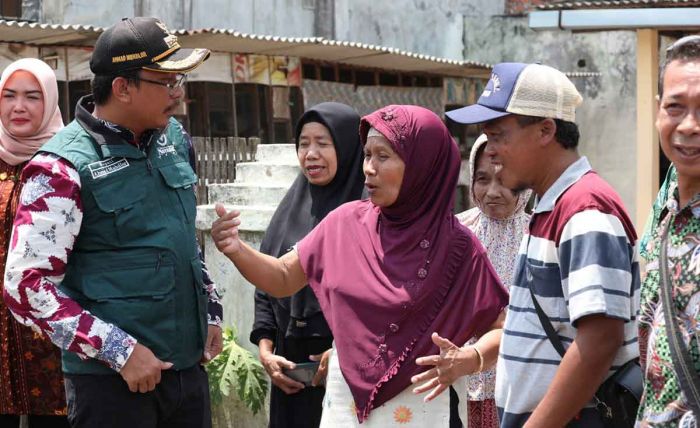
498	219
31	382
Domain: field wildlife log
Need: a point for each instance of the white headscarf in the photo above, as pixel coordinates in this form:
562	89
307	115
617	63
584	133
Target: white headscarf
15	150
500	237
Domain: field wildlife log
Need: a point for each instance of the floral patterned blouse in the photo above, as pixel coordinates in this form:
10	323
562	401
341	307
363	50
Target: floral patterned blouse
31	380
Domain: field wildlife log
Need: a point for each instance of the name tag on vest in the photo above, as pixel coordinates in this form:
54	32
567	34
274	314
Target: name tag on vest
103	168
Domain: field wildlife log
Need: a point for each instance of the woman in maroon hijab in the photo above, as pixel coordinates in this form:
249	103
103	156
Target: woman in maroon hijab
388	272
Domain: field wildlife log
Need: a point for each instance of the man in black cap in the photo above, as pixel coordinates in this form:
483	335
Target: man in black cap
105	261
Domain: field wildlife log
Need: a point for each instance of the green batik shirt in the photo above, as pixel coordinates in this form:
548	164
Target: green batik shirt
663	404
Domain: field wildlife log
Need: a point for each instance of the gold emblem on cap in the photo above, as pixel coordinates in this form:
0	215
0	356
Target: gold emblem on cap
169	39
162	26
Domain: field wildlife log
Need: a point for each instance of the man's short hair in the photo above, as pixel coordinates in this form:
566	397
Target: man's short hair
567	133
684	49
102	85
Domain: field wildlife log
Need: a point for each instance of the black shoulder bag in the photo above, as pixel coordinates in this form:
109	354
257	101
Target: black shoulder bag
617	399
682	364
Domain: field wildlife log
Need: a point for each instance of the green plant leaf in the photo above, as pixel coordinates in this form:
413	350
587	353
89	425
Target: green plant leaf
236	366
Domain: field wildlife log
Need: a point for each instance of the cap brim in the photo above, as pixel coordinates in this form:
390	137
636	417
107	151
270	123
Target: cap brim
475	113
182	61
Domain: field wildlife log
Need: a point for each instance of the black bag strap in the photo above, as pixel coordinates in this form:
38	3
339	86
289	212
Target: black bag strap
556	342
682	364
546	323
544	319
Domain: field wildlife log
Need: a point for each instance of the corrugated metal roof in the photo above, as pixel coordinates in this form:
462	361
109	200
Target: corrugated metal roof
620	4
48	34
224	40
318	48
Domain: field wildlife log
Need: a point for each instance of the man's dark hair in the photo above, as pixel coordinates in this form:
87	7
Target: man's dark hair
683	49
102	84
567	133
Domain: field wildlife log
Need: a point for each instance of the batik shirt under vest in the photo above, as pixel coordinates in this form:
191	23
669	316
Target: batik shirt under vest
45	228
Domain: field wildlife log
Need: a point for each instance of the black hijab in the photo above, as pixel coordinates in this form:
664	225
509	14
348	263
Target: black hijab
305	204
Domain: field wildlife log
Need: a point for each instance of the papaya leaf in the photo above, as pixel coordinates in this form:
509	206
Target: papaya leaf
236	367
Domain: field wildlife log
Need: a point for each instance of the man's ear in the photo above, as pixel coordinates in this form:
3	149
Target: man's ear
121	90
547	129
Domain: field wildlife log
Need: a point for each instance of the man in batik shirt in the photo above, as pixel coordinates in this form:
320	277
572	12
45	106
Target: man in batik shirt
664	404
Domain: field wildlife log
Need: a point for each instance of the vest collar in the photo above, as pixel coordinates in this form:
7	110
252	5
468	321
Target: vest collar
112	140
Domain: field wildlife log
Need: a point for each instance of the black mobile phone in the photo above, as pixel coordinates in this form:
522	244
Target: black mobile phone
303	372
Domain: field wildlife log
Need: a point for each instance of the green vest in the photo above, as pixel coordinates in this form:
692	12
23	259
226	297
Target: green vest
135	262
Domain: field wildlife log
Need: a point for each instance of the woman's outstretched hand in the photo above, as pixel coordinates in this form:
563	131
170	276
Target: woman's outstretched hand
452	363
224	230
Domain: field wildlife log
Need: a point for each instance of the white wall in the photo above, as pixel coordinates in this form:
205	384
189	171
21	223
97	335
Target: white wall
87	12
431	27
278	17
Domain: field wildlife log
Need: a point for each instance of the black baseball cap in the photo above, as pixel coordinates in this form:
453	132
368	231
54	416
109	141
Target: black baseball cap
142	42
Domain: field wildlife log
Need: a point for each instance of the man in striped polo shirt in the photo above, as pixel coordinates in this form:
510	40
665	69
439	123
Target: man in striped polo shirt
578	257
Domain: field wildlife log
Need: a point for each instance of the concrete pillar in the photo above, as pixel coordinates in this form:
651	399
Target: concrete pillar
647	173
258	189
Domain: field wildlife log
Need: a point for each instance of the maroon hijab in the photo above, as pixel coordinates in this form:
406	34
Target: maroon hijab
387	278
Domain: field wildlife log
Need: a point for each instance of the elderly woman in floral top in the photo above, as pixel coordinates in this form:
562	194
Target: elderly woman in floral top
498	220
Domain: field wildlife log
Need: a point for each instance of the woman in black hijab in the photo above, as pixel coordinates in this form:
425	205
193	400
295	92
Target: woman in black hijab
330	156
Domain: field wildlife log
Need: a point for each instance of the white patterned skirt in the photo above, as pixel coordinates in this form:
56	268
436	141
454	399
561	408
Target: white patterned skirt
406	410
